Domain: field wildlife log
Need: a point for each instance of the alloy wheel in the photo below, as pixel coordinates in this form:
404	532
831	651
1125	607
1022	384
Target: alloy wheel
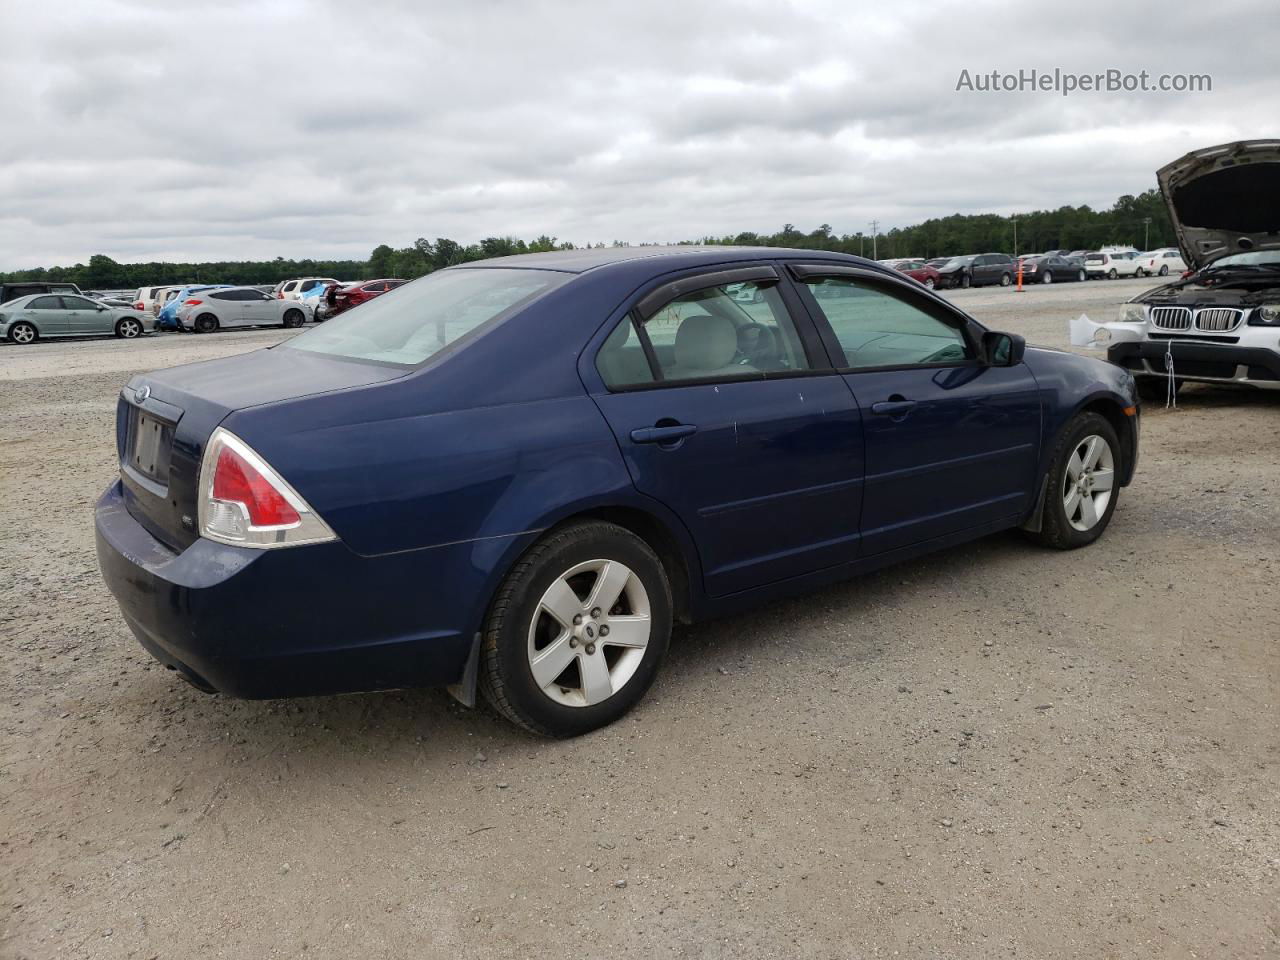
589	633
22	333
130	329
1088	482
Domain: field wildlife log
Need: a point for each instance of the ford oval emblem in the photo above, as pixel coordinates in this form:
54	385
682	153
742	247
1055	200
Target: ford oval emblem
141	394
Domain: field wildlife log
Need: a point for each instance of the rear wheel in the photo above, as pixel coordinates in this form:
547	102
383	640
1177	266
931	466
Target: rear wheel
1138	273
1005	279
294	318
206	323
1084	484
928	282
577	631
1164	269
128	328
23	333
1111	274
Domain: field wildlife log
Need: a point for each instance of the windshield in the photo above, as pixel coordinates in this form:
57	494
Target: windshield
411	324
1252	258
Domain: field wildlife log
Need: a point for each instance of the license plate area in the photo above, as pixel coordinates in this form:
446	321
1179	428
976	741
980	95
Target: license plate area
149	446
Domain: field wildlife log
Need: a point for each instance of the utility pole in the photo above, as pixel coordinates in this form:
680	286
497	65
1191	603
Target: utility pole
875	226
1146	233
1015	238
861	243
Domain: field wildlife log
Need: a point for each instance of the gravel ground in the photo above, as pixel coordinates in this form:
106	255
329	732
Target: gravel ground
997	751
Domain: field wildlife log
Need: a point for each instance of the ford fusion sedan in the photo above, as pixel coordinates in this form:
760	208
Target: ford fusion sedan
1221	323
513	476
45	316
208	310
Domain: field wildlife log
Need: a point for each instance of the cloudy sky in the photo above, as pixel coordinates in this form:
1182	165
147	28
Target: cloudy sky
168	129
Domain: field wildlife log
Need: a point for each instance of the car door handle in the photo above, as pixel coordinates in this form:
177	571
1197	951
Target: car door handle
664	434
893	407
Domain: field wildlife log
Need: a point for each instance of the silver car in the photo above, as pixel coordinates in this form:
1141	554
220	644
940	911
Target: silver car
27	319
208	310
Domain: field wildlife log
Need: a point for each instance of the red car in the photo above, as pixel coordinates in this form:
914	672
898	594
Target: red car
919	270
338	298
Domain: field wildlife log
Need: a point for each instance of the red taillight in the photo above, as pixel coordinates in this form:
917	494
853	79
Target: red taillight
139	305
236	481
279	296
193	302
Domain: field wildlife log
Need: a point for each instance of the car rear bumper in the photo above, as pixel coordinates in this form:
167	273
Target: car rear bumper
1225	363
289	622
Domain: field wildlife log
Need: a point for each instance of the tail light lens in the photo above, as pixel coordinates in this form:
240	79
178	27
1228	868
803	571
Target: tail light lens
193	302
243	501
139	305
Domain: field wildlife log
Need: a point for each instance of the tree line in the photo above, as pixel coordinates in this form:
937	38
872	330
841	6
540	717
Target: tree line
1141	221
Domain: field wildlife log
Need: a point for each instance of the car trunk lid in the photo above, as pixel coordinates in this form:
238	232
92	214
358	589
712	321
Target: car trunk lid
1224	200
164	419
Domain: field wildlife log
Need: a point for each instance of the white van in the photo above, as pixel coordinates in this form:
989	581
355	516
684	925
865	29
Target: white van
294	289
144	299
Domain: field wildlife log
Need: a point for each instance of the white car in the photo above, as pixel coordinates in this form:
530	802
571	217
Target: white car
162	296
1110	265
294	289
208	310
1161	263
1220	324
144	299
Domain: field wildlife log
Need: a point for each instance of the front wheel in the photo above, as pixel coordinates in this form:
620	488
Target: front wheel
965	281
1082	276
293	319
23	333
1083	486
1138	273
577	630
1046	277
128	328
928	282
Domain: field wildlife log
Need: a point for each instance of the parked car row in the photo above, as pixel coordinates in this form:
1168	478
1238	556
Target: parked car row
985	269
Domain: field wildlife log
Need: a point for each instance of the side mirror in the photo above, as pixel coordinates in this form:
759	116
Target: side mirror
101	307
1003	349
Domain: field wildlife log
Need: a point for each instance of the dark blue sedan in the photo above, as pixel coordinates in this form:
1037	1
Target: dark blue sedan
514	475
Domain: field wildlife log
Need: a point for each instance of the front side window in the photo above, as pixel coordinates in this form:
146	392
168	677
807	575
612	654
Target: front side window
426	316
737	330
879	328
78	303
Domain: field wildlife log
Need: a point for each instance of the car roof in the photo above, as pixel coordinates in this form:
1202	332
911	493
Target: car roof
660	257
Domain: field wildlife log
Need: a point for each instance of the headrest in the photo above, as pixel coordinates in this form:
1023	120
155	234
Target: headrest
704	342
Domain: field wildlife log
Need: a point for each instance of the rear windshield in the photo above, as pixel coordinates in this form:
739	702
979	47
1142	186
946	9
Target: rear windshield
409	325
1095	258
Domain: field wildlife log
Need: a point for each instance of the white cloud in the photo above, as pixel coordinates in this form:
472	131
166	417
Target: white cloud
178	130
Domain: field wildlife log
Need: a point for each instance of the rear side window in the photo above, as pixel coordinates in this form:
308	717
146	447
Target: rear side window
428	315
288	287
881	328
740	330
45	303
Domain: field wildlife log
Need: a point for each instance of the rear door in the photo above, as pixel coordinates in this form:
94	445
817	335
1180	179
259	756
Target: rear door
48	315
727	412
951	443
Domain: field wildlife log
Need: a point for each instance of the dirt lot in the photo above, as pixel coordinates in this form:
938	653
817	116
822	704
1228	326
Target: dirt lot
995	752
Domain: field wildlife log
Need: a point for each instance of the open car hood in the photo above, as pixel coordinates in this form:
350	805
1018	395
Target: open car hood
1224	200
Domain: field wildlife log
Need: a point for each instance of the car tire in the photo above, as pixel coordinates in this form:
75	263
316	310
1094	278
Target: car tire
1111	274
205	323
523	642
929	282
1156	389
127	328
965	280
23	333
294	319
1082	276
1164	269
1074	515
1138	273
1046	277
1005	279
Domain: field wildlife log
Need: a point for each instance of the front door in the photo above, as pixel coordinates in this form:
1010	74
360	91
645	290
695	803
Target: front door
727	416
84	318
952	443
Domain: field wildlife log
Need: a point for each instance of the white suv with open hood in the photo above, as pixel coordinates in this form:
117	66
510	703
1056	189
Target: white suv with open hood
1220	324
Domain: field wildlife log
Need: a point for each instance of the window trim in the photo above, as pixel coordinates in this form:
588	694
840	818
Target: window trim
815	351
928	303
